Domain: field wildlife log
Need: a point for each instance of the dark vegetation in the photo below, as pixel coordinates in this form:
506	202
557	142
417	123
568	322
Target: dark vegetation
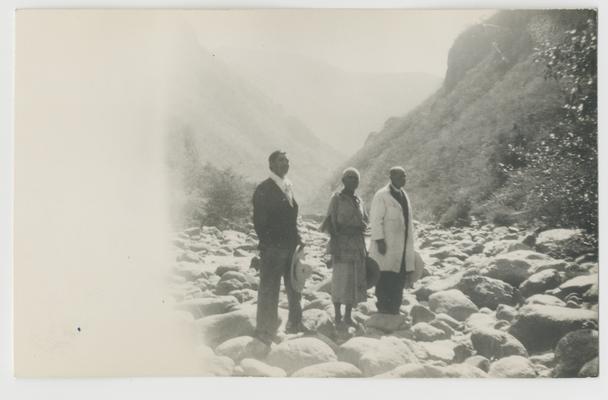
511	137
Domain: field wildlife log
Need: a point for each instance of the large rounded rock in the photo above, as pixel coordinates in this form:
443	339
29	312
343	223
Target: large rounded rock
352	350
540	327
296	354
442	350
336	369
452	302
478	321
243	347
216	329
413	370
478	362
512	267
574	350
256	368
512	367
426	332
386	322
235	280
205	306
544	300
439	285
463	371
591	369
488	292
495	344
563	243
540	282
319	321
420	313
505	312
390	353
579	285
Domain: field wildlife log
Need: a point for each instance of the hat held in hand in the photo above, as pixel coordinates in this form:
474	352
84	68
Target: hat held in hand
299	271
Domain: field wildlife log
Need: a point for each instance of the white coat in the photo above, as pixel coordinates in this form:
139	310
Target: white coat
387	222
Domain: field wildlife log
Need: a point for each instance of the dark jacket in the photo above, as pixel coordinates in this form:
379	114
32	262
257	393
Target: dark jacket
274	220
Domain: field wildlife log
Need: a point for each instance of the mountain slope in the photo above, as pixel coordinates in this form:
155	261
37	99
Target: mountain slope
220	118
340	106
452	145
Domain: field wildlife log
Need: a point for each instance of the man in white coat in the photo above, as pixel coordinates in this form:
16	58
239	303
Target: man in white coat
392	244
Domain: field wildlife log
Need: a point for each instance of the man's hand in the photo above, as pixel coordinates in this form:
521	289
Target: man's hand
381	246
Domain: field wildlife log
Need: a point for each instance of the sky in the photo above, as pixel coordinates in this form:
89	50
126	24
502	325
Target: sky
378	41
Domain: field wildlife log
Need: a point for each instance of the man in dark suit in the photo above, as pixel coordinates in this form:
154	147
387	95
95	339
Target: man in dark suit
275	214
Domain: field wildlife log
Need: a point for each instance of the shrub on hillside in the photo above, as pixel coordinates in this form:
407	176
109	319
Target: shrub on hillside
227	196
560	172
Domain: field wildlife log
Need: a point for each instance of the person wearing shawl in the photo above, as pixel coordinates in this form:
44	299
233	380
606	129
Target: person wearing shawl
346	223
392	242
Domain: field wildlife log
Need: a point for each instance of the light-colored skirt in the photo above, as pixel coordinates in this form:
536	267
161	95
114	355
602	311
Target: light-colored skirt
348	283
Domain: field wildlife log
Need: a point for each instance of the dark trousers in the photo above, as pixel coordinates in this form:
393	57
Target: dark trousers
275	263
389	290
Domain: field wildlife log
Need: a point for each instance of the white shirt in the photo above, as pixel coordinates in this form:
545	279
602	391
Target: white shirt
285	185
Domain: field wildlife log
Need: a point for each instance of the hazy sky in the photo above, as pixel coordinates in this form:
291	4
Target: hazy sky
354	40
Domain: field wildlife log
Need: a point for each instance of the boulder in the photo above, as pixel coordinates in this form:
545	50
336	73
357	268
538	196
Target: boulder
352	350
579	285
206	306
442	350
222	269
423	292
389	354
546	359
512	367
449	331
256	368
244	295
413	370
420	313
540	282
463	371
478	362
446	252
319	321
452	302
512	267
479	321
540	327
336	369
495	344
426	332
563	243
216	329
544	300
292	355
591	369
386	322
574	350
488	292
505	312
243	347
443	317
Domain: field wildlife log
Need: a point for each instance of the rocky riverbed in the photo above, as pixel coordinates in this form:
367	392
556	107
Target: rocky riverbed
493	302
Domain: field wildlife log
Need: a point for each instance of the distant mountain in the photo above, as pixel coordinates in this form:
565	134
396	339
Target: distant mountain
218	117
452	145
339	106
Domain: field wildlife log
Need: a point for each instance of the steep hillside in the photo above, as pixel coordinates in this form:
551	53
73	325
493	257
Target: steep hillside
454	144
341	106
217	117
